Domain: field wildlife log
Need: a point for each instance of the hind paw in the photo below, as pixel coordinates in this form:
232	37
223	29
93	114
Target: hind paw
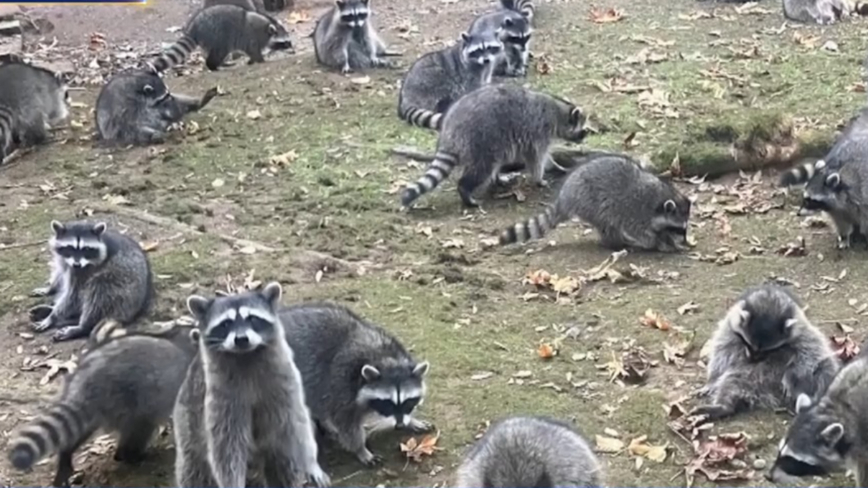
39	313
370	459
346	69
43	325
710	412
69	333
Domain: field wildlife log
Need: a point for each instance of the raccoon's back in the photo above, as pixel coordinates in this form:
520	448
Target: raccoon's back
506	109
24	86
218	26
326	38
601	190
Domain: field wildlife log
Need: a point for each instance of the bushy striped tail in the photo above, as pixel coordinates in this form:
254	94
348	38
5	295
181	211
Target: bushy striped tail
525	7
63	426
533	228
176	54
421	117
7	121
437	171
801	173
106	331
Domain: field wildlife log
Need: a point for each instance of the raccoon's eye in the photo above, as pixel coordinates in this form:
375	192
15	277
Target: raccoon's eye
90	253
220	331
65	251
409	404
383	407
259	325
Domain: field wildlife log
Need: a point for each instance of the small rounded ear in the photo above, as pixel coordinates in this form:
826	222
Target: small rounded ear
802	402
788	325
833	433
198	306
340	3
576	116
57	227
272	29
370	373
272	293
148	89
820	164
365	2
833	180
508	22
669	206
195	335
99	228
465	37
421	369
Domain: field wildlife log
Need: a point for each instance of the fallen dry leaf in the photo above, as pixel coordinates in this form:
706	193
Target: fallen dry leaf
361	80
299	17
567	285
609	445
639	447
416	450
546	351
283	159
845	347
543	66
688	307
654	320
150	246
605	15
675	352
794	249
254	115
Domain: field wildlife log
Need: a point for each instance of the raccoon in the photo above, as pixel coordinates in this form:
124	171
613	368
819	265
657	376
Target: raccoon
514	31
32	99
827	435
135	107
96	274
496	126
221	30
252	5
524	7
530	451
352	370
344	38
127	385
243	401
823	12
629	206
438	79
765	352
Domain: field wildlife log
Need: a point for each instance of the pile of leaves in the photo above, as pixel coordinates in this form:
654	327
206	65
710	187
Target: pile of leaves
571	286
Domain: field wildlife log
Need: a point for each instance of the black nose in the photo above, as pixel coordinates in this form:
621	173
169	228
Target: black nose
242	341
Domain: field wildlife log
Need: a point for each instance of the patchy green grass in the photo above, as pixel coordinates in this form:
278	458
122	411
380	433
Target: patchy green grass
463	308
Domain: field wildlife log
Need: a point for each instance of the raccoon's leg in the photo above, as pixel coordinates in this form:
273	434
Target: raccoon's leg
844	228
729	397
417	425
351	436
255	56
65	467
65	306
538	169
476	178
215	59
34	133
134	441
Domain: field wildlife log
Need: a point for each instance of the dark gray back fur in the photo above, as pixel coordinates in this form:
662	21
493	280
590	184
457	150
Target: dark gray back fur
254	5
30	98
529	452
821	12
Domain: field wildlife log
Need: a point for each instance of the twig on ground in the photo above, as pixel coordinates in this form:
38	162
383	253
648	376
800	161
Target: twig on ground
22	244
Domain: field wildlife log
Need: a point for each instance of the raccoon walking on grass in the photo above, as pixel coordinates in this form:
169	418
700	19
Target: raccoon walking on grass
136	107
242	405
530	451
353	370
125	385
221	30
493	127
345	39
514	31
32	100
438	79
765	353
828	434
629	206
96	274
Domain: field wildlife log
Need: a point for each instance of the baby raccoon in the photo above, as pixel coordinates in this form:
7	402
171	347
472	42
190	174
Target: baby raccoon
353	371
32	100
344	38
126	385
495	126
525	7
823	12
514	31
96	274
629	207
764	354
135	107
529	451
242	404
438	79
221	30
828	434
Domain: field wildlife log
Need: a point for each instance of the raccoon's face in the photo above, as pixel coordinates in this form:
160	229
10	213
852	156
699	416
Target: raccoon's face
480	50
238	323
815	445
516	32
765	324
79	244
393	390
672	217
823	190
151	89
353	13
279	39
574	129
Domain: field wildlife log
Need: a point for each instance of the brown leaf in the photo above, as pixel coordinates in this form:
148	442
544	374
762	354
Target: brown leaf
676	352
542	65
416	450
150	246
299	17
688	307
609	445
639	447
546	351
540	278
605	16
794	249
654	320
845	347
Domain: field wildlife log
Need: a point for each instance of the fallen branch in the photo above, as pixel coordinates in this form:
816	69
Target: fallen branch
23	244
413	153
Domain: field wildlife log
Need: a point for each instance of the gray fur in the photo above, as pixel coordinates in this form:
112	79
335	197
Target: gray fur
345	360
345	38
222	30
32	99
96	274
252	5
629	206
493	127
438	79
514	31
127	385
830	434
765	353
530	451
136	107
525	7
823	12
242	403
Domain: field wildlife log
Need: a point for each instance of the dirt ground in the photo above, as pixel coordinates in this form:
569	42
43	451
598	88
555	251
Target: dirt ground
297	159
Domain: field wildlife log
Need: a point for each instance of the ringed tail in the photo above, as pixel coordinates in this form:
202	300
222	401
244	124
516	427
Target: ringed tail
421	117
176	54
107	330
525	7
62	426
437	171
801	173
533	228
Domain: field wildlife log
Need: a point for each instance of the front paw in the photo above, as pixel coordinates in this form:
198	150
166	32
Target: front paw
843	242
420	426
319	477
346	69
39	313
68	333
710	412
370	459
542	183
43	325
